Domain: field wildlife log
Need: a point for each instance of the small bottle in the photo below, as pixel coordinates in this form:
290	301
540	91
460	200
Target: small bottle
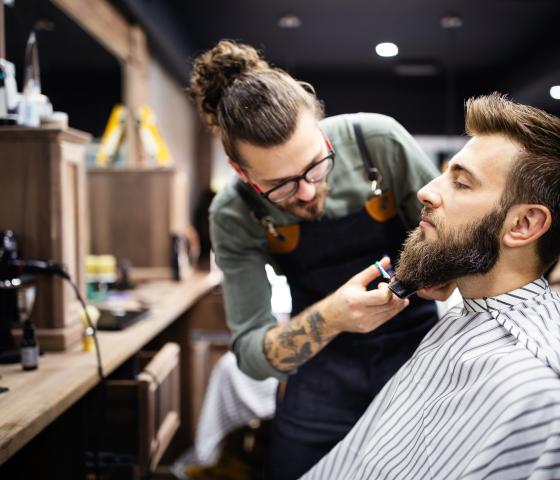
87	338
29	347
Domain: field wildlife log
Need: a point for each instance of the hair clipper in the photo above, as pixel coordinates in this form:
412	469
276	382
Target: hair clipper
401	290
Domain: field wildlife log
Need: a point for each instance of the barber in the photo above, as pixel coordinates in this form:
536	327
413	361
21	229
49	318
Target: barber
321	200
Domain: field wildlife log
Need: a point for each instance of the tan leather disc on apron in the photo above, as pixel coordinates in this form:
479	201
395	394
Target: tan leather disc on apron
382	208
288	243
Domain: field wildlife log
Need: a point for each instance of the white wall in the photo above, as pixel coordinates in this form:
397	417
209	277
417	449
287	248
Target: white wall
433	144
222	172
176	119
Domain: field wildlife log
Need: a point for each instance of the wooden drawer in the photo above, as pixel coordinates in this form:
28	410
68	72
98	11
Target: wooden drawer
143	414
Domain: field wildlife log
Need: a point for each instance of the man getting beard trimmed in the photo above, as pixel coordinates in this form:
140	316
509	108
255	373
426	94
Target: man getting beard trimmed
480	396
472	249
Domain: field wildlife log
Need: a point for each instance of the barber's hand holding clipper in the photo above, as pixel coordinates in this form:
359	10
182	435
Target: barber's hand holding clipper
440	292
352	308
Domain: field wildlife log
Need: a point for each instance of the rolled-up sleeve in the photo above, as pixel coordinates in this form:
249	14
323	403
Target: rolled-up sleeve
247	293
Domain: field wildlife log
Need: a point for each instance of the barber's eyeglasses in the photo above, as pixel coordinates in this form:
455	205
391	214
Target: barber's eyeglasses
316	172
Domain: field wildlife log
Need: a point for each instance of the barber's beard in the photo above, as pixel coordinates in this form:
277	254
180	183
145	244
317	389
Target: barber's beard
309	211
472	249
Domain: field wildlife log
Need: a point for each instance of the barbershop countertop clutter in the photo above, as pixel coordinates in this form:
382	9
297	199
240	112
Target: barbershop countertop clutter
35	399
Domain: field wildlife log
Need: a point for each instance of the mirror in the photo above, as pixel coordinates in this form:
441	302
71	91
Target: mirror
79	75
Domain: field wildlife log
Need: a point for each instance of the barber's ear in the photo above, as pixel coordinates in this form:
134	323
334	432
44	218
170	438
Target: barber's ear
242	175
525	224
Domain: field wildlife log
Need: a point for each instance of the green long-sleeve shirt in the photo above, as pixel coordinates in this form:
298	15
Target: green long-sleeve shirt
240	244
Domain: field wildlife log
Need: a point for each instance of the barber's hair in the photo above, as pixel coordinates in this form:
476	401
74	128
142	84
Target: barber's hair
239	94
535	175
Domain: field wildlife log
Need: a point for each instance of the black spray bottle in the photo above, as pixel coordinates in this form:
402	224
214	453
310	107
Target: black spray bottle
29	347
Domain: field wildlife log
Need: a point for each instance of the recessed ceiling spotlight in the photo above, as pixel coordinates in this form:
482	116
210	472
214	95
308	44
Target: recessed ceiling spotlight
451	21
555	92
290	20
386	49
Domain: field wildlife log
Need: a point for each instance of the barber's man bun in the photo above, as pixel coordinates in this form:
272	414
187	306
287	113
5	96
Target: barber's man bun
242	98
215	70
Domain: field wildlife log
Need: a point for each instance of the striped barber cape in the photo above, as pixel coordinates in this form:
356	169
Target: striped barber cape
480	398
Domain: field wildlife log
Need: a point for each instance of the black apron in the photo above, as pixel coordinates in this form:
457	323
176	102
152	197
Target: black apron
329	393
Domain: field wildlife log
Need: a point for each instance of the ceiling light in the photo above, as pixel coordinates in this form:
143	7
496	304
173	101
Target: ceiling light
555	92
386	49
290	20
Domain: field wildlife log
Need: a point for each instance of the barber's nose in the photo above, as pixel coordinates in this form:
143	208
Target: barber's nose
306	191
429	195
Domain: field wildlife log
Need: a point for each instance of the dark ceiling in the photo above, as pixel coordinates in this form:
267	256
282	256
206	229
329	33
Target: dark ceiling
507	45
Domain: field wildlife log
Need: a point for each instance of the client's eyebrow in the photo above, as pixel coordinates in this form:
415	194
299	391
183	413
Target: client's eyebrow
458	168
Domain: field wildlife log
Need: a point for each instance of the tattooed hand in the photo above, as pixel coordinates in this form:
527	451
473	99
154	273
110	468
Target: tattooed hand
350	309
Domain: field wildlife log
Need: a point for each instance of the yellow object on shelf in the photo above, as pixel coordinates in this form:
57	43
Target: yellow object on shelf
112	137
87	335
152	141
89	344
101	268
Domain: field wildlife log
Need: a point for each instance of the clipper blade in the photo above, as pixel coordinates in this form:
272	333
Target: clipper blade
400	290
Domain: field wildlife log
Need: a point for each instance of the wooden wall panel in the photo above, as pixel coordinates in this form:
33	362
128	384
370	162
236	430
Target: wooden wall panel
134	213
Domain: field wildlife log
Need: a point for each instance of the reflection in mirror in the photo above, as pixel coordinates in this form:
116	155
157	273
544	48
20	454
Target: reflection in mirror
78	75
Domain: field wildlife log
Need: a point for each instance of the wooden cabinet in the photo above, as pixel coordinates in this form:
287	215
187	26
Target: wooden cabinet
43	200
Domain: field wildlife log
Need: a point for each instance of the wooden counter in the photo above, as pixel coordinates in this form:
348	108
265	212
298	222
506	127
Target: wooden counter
38	397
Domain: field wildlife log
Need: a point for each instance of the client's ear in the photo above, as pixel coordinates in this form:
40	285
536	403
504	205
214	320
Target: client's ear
525	224
240	172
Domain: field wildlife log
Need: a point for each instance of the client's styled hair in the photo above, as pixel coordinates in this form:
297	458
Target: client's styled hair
535	175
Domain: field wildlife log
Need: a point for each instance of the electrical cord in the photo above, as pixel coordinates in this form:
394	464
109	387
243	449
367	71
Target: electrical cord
48	267
101	412
90	325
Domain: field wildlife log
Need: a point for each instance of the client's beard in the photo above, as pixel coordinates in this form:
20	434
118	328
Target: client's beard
472	249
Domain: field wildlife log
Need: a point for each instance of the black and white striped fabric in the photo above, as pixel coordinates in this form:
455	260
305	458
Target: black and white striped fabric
480	398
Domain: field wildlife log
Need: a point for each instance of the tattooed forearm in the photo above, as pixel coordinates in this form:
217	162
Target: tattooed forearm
289	345
301	356
317	324
288	338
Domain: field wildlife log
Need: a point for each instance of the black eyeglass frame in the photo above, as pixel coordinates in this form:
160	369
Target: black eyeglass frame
330	156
